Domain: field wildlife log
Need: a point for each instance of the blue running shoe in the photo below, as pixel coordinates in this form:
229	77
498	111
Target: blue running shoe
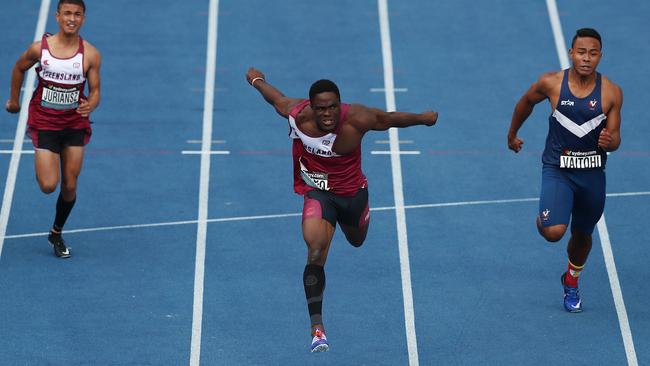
319	342
572	302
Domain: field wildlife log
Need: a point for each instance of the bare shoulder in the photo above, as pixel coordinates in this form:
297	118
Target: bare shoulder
363	118
550	80
612	91
359	112
292	103
610	86
91	52
34	51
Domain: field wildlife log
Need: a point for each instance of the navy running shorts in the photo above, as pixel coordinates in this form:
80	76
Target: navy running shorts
576	194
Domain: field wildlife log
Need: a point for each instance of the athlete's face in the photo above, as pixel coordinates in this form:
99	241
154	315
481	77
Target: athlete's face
585	55
327	110
70	18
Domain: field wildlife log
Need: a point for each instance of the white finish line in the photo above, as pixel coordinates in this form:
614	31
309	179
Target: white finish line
297	214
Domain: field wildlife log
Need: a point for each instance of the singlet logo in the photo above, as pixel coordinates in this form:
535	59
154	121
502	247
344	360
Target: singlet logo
545	215
60	76
567	102
326	142
592	104
46	62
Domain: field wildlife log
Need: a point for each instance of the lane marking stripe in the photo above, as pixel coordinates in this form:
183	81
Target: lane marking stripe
19	138
277	216
204	185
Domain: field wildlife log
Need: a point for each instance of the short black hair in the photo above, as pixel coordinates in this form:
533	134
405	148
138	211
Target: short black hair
322	86
74	2
587	32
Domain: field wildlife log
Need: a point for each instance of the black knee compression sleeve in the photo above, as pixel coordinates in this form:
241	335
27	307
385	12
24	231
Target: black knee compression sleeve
314	281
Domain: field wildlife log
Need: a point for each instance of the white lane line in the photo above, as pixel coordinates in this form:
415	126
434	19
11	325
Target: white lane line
400	214
213	152
471	203
8	152
295	214
560	45
603	233
388	142
625	194
10	184
402	152
204	185
617	293
11	141
385	90
201	141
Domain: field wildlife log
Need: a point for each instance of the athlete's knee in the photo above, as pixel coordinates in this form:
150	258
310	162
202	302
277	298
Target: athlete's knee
315	256
47	189
69	188
47	186
552	233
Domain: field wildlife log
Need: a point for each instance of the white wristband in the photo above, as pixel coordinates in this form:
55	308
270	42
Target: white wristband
255	79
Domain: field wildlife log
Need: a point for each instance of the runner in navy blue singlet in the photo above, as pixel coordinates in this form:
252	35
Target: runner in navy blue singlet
583	127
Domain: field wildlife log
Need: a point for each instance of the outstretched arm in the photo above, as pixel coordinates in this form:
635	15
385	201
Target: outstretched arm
273	96
524	107
379	120
28	59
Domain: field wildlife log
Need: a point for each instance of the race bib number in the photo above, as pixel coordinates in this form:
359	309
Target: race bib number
55	97
314	179
580	160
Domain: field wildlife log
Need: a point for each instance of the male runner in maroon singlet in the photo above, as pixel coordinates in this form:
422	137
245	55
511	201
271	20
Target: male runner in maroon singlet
58	122
584	125
327	173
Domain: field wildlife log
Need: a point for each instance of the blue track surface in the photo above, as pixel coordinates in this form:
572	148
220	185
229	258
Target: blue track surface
485	285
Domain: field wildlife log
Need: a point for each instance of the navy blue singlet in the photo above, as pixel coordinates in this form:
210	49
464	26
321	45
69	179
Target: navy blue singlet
574	127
